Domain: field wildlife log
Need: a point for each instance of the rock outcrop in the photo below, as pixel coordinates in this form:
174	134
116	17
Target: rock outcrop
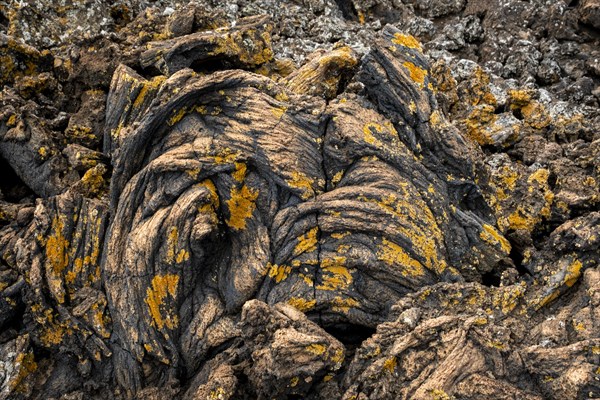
187	214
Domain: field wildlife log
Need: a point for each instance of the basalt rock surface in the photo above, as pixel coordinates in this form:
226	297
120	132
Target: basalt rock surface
315	199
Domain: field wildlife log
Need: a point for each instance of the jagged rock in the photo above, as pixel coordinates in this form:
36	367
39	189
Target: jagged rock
590	12
246	44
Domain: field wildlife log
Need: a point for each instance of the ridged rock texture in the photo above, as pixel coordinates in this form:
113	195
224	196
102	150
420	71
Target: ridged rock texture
300	200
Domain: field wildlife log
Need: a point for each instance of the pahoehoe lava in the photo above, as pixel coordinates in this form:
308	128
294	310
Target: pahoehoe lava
317	199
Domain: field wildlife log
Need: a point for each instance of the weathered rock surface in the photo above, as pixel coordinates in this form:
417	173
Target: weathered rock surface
300	200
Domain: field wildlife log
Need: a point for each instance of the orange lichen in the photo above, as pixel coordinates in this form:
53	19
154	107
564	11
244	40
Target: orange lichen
241	205
161	286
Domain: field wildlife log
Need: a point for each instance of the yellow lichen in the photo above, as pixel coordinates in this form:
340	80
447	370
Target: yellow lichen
339	304
307	242
240	171
308	279
338	357
392	254
335	275
93	181
43	152
361	17
178	114
302	304
340	235
57	256
436	118
56	246
316	349
25	365
536	116
417	74
173	253
507	298
12	121
301	181
424	237
214	197
573	272
520	97
368	132
438	394
540	176
241	206
161	286
390	364
406	41
490	235
53	331
496	344
278	111
520	219
217	394
578	326
337	177
412	107
278	272
152	84
481	124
